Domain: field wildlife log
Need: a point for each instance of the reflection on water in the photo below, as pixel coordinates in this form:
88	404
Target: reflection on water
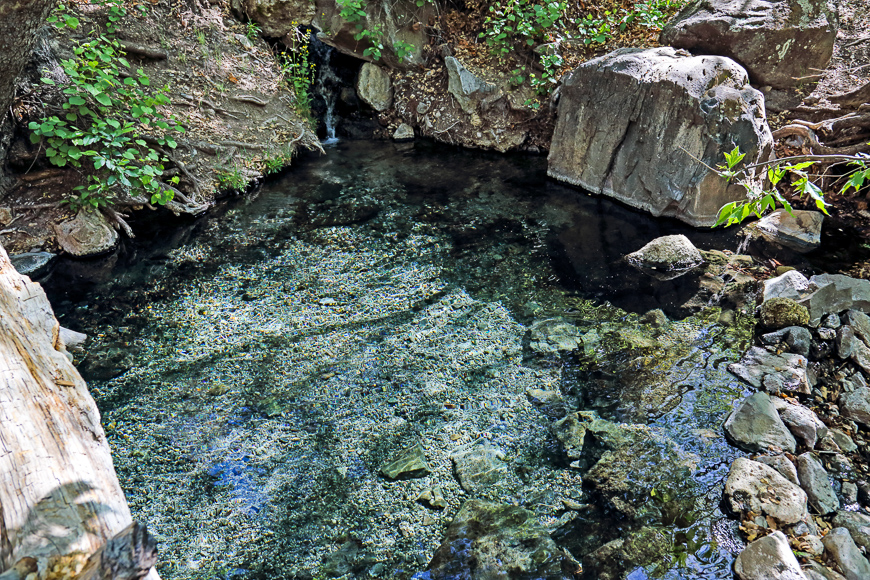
257	368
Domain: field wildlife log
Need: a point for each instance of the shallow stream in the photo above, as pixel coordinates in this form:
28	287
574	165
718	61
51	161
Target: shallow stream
255	370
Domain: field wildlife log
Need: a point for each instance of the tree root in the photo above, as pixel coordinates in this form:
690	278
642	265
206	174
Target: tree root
807	133
143	51
117	220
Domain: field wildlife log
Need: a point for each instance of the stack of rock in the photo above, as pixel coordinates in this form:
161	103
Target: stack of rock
805	489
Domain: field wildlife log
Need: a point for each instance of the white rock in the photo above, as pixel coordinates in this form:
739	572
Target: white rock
768	558
747	489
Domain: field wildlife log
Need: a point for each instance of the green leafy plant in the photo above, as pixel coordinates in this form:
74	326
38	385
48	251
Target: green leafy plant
232	179
356	12
298	70
252	31
759	200
111	120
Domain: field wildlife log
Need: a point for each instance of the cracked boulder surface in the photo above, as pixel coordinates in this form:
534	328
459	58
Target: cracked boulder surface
697	107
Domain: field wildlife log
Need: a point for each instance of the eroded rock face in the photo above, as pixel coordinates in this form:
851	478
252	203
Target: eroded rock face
399	24
752	486
374	87
487	540
87	234
275	17
777	41
627	119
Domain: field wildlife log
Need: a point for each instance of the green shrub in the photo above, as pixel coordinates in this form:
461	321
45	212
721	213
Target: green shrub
111	120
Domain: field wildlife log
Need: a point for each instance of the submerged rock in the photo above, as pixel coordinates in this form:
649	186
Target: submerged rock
554	335
407	464
755	426
667	257
488	540
611	105
754	487
768	558
613	559
478	465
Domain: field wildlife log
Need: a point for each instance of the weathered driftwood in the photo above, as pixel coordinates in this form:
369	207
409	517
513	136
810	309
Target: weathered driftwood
60	500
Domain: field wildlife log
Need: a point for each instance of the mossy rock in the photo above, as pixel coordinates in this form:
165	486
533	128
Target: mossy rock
778	313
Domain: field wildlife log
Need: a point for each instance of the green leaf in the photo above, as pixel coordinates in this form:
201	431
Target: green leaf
76	100
103	99
48	81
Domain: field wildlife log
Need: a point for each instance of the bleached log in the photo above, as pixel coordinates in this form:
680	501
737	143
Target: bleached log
59	494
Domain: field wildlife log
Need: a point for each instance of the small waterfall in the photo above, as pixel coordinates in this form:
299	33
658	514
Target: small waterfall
327	86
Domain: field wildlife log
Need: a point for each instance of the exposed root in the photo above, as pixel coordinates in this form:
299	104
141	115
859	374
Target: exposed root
808	134
117	220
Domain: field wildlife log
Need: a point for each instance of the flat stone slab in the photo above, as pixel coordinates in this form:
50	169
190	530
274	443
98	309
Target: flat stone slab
479	464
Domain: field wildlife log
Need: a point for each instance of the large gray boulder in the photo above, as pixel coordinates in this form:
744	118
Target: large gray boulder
858	525
488	540
754	487
782	43
768	558
630	122
833	293
856	405
804	424
374	87
755	426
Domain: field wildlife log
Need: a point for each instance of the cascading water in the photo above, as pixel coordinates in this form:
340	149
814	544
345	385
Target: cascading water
327	86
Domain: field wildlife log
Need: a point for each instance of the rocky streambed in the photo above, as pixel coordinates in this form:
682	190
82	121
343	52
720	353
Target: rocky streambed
389	364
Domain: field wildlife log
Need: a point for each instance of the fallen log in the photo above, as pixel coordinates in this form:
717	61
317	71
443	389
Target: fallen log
60	500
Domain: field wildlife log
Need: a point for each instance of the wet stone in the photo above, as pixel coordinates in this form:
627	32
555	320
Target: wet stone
755	425
407	464
549	403
754	487
571	433
816	483
841	549
433	497
768	558
478	465
774	372
489	540
554	335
